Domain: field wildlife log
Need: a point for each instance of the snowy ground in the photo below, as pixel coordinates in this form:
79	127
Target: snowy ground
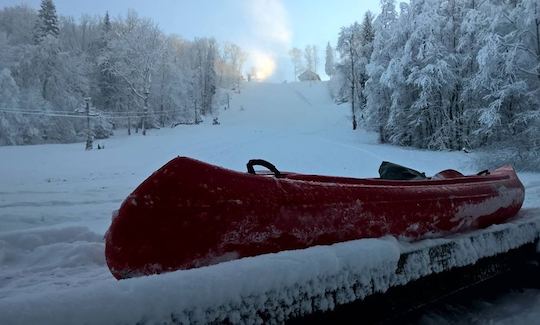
56	200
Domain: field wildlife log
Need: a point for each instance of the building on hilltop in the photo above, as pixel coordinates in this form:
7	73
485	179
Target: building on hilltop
309	75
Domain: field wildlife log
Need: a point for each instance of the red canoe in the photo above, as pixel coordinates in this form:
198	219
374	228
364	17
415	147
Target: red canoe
190	214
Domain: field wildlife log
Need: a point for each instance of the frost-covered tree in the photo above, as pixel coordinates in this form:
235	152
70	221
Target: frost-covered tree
9	119
47	23
204	57
170	84
107	26
209	77
18	24
230	66
311	57
349	42
449	74
329	66
364	52
296	59
387	42
131	56
125	65
508	83
355	45
316	59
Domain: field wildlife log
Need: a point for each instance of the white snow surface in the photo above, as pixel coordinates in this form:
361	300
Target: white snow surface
56	203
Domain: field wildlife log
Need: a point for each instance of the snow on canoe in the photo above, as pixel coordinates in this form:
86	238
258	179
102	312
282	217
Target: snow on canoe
190	214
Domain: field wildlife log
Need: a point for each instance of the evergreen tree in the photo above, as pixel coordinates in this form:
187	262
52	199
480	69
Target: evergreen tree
365	51
47	23
385	46
329	66
108	84
106	23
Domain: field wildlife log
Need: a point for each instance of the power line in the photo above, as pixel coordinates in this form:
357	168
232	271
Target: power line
107	115
75	112
45	114
34	110
131	114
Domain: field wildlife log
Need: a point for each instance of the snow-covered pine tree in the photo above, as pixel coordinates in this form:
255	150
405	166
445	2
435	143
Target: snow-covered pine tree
365	51
47	23
385	46
309	55
106	24
109	85
329	66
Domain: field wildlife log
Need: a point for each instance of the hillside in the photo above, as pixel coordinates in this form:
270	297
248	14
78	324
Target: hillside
56	201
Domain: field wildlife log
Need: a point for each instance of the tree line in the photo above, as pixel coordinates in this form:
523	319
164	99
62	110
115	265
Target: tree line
446	75
135	75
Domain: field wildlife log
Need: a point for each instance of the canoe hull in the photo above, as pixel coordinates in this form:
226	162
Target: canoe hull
191	214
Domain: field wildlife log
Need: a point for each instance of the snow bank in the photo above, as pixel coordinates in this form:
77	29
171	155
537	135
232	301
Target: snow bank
50	248
269	288
49	259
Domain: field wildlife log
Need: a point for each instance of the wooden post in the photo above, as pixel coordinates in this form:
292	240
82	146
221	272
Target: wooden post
89	141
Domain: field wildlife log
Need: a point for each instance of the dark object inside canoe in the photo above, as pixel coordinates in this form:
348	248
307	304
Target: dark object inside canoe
393	171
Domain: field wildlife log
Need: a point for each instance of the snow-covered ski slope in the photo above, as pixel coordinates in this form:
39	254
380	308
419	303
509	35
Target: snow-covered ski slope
56	203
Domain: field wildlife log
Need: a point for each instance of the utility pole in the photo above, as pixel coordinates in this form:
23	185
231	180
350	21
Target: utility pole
89	141
145	111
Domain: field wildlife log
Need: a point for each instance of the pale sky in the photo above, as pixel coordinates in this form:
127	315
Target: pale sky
267	29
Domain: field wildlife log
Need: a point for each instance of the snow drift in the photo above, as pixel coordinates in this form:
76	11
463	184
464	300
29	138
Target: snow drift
269	288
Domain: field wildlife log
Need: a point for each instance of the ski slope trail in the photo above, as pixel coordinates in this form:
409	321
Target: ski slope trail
56	201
